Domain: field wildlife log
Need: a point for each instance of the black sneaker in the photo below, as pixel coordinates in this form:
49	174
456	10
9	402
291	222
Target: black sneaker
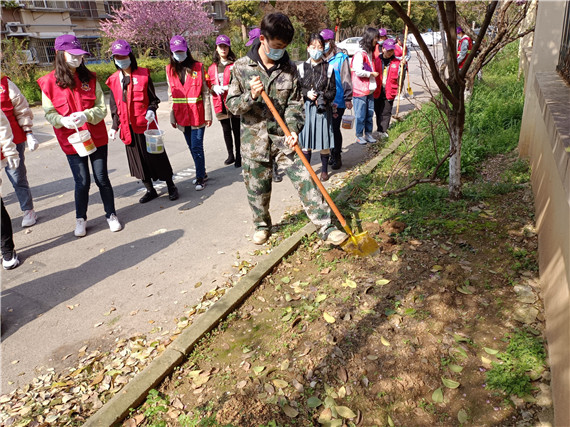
337	163
237	164
229	160
148	196
195	180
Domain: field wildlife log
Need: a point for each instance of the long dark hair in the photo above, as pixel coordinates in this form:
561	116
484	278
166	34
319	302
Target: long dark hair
231	56
64	77
368	39
179	66
134	64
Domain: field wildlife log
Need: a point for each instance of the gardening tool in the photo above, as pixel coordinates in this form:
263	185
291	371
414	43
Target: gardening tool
410	91
404	47
357	244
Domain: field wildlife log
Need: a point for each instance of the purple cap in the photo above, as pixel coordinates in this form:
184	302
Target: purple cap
389	44
178	43
70	44
327	34
223	39
459	30
253	34
382	32
120	47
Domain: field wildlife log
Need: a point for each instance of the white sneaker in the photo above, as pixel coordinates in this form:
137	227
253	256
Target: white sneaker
336	237
80	227
114	223
9	264
261	236
384	135
370	139
195	180
29	218
361	140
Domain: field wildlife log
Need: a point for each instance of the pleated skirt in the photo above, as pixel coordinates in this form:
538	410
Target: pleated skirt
146	166
318	132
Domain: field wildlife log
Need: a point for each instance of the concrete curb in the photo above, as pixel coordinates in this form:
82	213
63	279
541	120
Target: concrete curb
134	393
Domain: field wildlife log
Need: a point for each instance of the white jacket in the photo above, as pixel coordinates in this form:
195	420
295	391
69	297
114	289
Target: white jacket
6	144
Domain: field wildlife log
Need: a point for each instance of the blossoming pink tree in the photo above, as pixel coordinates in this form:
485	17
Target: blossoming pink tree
151	24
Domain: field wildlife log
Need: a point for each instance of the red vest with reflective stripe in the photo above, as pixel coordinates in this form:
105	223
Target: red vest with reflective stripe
67	101
132	111
213	79
459	43
361	85
8	108
187	102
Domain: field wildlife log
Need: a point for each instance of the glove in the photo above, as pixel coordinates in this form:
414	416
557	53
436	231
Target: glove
112	133
68	122
218	89
31	141
13	162
79	118
150	116
312	95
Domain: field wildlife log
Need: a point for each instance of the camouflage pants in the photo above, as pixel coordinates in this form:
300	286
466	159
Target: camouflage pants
258	180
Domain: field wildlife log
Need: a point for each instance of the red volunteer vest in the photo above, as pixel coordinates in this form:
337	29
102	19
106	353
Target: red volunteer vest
393	71
361	85
213	79
8	108
132	111
187	102
470	45
67	101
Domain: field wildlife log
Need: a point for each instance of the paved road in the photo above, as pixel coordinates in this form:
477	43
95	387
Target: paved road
147	272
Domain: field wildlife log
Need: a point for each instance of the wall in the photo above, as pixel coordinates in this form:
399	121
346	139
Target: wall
545	141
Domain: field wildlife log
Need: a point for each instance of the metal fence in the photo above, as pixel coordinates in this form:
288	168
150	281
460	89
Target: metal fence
563	66
44	52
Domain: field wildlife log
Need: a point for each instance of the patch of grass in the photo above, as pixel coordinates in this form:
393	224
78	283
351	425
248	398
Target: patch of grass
155	406
518	173
525	353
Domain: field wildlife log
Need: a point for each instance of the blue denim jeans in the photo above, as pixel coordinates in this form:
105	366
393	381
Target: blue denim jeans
80	169
18	178
195	140
364	112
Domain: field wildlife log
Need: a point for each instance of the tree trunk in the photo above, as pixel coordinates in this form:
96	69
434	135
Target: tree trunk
244	33
456	119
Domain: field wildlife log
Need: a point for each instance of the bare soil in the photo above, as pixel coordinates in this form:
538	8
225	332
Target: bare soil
372	338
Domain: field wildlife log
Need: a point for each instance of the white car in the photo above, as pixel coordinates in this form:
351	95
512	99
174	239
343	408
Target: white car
430	38
351	45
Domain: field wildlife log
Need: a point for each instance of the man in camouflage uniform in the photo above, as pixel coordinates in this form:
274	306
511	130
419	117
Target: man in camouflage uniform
267	67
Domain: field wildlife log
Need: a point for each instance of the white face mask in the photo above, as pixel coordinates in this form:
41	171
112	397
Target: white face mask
179	56
73	61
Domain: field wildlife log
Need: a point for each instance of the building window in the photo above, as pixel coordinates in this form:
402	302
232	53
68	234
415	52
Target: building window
111	6
563	66
43	50
83	9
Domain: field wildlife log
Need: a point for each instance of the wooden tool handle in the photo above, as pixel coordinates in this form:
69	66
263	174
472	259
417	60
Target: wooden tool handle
305	162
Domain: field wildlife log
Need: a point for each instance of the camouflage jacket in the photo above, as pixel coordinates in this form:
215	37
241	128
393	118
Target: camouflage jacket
259	130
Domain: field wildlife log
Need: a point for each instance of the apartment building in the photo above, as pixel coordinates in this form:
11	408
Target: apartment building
39	22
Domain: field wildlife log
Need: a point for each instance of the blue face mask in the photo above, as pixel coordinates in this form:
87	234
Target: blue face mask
327	47
274	54
123	64
315	54
179	56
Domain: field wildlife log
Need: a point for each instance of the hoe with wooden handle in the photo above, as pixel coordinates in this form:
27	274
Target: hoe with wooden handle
357	244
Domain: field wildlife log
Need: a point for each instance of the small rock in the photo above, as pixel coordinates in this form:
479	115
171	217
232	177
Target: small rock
525	314
525	294
544	397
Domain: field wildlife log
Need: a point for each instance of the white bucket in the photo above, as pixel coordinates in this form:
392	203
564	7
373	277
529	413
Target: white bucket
347	121
154	140
82	142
